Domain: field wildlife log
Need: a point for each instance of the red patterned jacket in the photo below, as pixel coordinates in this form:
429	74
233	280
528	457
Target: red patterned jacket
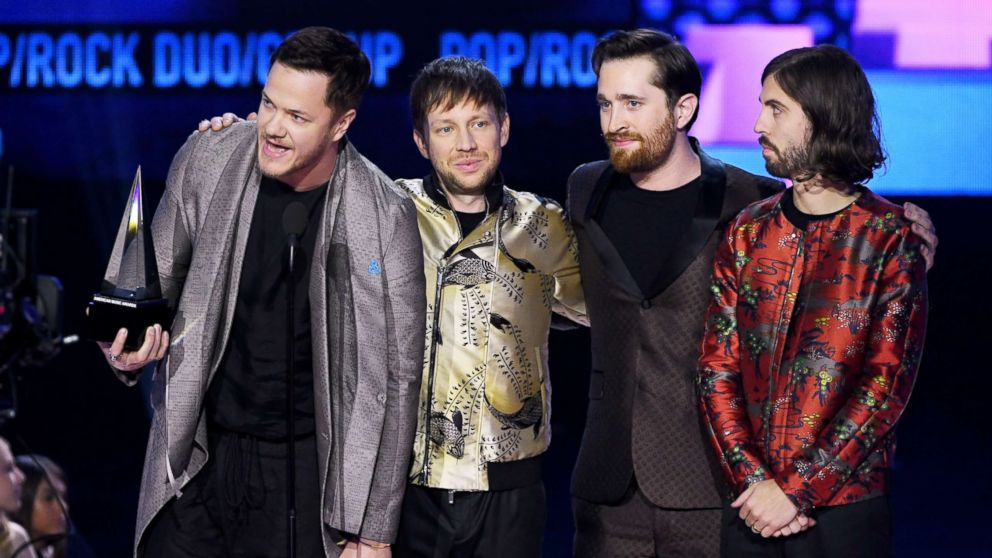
813	339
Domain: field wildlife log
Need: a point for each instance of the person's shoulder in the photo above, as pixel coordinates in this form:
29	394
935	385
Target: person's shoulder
413	187
588	172
882	215
210	146
761	186
531	201
19	538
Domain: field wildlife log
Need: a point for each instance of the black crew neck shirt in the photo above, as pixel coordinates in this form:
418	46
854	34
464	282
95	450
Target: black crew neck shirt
248	393
796	216
646	226
468	221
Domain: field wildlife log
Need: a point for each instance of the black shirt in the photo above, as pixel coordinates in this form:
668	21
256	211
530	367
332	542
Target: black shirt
796	216
248	393
646	226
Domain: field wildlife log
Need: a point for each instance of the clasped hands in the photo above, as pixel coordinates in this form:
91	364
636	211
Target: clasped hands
768	512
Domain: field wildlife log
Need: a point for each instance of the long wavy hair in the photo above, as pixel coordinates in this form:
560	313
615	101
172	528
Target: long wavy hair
845	136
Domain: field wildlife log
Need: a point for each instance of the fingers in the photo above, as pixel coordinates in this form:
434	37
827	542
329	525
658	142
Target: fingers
153	348
252	116
164	346
742	498
917	215
117	347
203	125
147	347
930	241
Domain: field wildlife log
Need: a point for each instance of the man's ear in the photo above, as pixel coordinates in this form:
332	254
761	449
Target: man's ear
504	130
685	108
344	122
418	139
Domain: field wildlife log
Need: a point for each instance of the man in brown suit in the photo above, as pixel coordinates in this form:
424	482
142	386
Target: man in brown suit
647	222
215	468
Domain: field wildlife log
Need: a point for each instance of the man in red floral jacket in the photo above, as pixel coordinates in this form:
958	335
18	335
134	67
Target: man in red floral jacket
814	334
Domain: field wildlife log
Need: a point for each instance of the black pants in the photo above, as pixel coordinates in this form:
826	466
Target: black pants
634	527
437	523
859	530
236	505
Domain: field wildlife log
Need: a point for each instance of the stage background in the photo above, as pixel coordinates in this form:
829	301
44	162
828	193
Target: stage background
89	90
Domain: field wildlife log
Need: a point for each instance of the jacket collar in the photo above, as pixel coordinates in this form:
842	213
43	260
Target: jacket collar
494	191
705	221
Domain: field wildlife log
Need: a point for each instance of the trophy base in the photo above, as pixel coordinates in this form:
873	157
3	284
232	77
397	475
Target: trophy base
106	315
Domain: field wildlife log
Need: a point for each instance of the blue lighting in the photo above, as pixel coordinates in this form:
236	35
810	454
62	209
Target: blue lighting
822	25
656	9
722	10
687	20
785	10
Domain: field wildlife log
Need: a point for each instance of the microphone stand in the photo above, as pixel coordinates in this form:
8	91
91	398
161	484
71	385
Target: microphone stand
294	244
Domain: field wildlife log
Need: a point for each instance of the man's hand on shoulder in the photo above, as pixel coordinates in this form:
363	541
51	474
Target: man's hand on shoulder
923	227
218	123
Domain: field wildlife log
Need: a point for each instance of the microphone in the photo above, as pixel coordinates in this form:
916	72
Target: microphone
294	222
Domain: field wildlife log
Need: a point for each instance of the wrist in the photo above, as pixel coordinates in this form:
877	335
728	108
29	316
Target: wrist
375	545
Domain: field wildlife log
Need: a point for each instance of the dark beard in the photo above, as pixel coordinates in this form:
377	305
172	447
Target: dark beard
652	153
792	164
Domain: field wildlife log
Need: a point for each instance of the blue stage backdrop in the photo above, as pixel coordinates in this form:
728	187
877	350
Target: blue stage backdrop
123	83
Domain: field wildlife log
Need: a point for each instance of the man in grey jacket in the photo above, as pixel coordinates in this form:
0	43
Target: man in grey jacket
215	469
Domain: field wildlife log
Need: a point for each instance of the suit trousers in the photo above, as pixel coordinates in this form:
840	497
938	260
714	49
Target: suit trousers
859	530
437	523
635	527
236	505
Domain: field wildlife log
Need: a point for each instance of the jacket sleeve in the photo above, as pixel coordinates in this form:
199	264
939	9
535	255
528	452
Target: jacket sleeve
892	357
569	300
170	235
406	307
721	396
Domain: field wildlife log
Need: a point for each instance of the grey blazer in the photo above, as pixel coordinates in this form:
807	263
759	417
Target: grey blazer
367	317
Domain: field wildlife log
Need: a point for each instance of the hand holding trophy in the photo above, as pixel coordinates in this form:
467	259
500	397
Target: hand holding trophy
126	317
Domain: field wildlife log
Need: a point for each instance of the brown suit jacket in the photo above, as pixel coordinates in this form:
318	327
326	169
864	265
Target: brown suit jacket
642	420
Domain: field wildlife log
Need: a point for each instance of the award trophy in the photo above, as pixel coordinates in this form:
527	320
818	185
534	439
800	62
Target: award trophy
130	296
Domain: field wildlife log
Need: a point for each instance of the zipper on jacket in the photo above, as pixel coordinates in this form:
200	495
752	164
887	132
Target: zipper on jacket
773	360
432	365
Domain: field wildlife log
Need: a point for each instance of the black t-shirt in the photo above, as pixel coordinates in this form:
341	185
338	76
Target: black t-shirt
796	216
646	226
468	221
248	394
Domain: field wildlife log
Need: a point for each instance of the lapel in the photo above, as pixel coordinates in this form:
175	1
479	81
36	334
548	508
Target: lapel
705	221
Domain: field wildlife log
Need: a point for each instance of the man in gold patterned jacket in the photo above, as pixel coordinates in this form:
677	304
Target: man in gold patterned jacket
498	263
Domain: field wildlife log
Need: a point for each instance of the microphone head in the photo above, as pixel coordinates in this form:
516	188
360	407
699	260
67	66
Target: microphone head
294	219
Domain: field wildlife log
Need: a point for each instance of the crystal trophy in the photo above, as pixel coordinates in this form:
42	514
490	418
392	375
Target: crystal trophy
130	296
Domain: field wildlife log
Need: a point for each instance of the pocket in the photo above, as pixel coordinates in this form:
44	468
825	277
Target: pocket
596	384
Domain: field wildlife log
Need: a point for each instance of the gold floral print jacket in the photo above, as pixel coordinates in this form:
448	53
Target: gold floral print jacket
486	396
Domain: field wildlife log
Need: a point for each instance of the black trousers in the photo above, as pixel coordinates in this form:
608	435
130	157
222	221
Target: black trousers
500	523
236	505
635	527
859	530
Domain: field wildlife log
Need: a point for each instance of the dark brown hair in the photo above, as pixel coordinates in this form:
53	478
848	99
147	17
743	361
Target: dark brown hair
828	83
331	53
676	71
447	81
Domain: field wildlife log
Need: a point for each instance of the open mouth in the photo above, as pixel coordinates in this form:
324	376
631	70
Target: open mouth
274	150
